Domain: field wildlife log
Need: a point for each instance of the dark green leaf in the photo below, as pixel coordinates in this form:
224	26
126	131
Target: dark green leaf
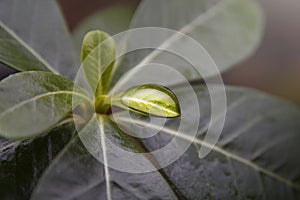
77	172
213	24
18	55
257	159
256	156
229	30
23	162
40	25
33	102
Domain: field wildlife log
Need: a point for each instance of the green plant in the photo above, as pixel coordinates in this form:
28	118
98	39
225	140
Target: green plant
256	156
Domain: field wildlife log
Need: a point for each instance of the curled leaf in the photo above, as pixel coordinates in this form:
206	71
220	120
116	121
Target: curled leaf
152	100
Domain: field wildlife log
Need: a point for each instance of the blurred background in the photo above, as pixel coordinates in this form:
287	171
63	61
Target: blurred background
274	68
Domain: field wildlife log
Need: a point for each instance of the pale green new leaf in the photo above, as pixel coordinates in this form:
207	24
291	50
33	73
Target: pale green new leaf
112	20
98	56
152	99
33	102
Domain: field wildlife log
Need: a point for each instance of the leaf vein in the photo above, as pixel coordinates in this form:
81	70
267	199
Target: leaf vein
41	96
218	150
31	50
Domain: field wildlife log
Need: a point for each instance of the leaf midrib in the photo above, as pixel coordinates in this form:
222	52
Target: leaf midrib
105	160
30	49
201	19
106	168
38	97
184	30
219	150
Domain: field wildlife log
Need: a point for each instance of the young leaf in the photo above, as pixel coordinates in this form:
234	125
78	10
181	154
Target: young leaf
33	102
98	55
152	100
112	20
41	27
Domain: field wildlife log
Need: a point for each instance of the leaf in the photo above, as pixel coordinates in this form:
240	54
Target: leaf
23	162
40	27
5	71
255	160
98	55
18	55
214	24
152	100
112	20
34	102
229	30
76	171
255	157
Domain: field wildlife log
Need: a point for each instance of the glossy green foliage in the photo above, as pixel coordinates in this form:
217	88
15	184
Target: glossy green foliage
229	30
34	102
256	157
213	24
112	20
86	179
41	27
22	163
152	100
244	162
17	55
98	56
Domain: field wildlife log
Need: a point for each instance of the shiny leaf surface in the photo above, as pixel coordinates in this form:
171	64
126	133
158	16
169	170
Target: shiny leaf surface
212	24
34	102
152	100
41	27
16	54
98	55
251	160
112	20
86	178
23	162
